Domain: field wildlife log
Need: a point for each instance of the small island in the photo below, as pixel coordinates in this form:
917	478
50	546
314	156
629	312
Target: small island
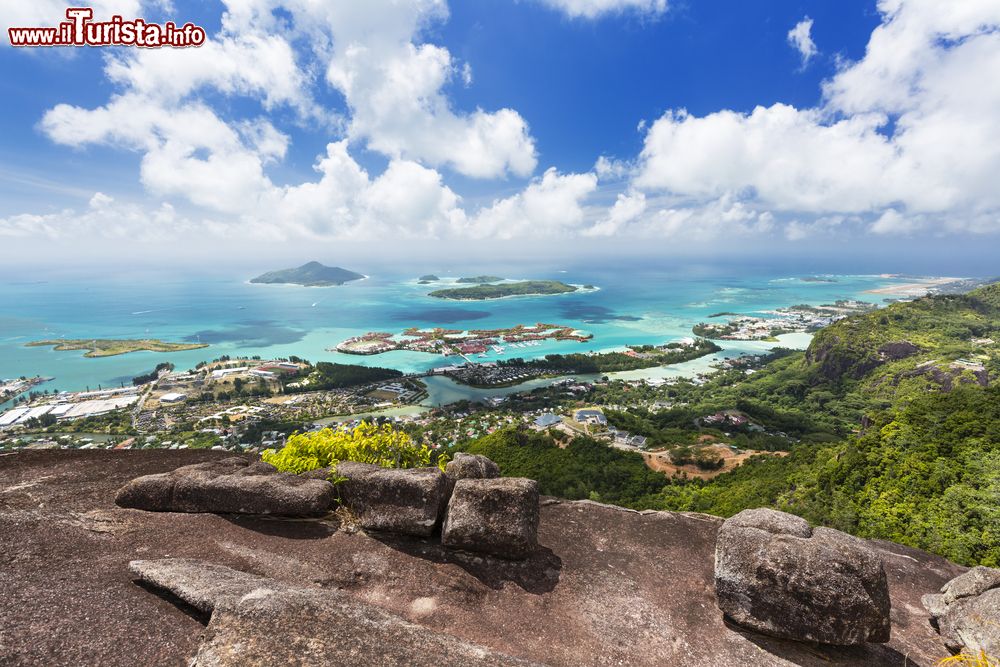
479	280
310	274
102	347
458	342
429	278
501	290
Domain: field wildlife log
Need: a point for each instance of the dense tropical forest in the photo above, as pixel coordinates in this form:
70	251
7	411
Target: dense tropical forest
890	421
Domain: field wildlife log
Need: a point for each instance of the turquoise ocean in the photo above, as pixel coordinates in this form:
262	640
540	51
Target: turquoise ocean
634	306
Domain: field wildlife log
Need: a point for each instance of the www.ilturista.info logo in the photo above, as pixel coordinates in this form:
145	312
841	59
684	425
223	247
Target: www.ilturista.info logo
81	30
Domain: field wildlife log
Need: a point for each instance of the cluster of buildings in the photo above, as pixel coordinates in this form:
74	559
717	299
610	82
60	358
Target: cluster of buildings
726	418
596	424
396	392
800	318
68	406
12	388
627	440
370	343
489	374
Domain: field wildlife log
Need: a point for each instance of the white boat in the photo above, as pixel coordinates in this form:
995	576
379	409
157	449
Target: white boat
498	349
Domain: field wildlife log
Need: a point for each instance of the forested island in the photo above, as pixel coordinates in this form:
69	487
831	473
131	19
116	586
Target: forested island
326	375
479	280
501	290
636	357
102	347
310	274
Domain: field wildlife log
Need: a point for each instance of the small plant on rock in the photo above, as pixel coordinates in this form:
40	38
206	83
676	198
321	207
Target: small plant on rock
368	443
969	660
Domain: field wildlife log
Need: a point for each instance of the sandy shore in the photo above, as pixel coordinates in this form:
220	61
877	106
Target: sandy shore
912	289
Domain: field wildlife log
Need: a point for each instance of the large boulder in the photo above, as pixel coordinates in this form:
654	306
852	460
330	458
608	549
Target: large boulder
407	501
776	575
967	611
256	621
494	516
233	485
471	466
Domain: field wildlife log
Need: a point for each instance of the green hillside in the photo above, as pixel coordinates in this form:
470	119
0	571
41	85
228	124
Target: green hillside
927	475
870	363
890	418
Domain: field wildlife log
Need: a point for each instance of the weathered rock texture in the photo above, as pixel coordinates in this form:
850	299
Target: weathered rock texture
471	466
776	575
399	501
967	611
605	587
494	516
230	485
256	621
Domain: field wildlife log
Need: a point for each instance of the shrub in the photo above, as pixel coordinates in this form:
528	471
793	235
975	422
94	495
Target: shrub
367	443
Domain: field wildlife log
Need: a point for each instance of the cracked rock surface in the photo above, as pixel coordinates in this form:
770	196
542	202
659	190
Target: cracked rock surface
967	611
260	621
605	586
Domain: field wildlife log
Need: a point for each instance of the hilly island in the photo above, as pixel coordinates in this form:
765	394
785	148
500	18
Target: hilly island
310	274
484	290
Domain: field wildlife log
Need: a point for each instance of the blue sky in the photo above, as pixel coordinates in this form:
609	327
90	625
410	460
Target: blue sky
597	121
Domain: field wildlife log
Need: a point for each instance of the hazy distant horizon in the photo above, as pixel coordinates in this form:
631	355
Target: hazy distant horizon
976	262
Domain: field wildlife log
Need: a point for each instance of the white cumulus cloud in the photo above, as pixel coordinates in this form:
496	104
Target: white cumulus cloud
906	133
801	38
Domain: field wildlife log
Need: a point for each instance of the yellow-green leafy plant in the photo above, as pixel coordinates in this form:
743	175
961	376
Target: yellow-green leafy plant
368	443
969	660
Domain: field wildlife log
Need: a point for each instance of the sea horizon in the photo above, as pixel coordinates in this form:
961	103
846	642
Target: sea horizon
643	305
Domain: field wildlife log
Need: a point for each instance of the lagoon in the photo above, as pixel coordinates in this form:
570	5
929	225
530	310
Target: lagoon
639	306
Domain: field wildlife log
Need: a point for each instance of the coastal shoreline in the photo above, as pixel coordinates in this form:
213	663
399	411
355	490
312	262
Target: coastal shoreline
914	289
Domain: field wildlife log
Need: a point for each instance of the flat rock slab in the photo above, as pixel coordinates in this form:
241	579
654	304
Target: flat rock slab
260	622
202	585
494	516
230	486
776	575
407	501
606	586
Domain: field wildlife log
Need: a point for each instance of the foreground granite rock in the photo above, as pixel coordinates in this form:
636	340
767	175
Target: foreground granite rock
606	586
471	466
256	621
408	501
776	575
494	516
231	485
967	611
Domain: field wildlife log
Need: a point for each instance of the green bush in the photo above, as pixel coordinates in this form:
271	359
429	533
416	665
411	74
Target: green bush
367	443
